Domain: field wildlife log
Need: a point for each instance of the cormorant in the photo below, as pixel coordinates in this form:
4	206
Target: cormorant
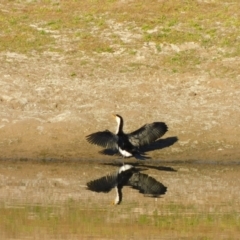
128	144
127	175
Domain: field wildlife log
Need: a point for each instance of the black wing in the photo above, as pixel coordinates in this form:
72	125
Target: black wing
103	184
147	134
147	185
104	139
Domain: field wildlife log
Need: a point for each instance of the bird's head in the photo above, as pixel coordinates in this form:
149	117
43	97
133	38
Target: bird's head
117	117
116	201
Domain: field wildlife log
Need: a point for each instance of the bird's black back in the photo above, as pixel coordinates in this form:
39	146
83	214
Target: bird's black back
124	177
124	143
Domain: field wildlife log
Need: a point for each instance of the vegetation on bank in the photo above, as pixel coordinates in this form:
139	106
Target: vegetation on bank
75	220
110	26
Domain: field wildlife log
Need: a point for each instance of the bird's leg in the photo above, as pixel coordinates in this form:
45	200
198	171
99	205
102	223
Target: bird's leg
123	160
120	160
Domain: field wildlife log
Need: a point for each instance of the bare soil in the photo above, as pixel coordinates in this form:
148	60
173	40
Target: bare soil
46	113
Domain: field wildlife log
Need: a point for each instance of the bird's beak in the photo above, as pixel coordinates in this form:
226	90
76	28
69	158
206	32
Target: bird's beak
114	115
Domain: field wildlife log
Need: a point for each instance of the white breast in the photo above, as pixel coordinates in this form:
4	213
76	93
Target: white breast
125	153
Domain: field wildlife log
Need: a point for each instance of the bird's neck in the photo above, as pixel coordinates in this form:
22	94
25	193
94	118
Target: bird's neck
116	201
118	198
119	126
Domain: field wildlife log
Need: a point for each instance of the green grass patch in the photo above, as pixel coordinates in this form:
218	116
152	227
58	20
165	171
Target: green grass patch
87	28
82	22
17	36
75	219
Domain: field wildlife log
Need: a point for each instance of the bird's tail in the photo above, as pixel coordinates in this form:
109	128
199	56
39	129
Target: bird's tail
140	156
